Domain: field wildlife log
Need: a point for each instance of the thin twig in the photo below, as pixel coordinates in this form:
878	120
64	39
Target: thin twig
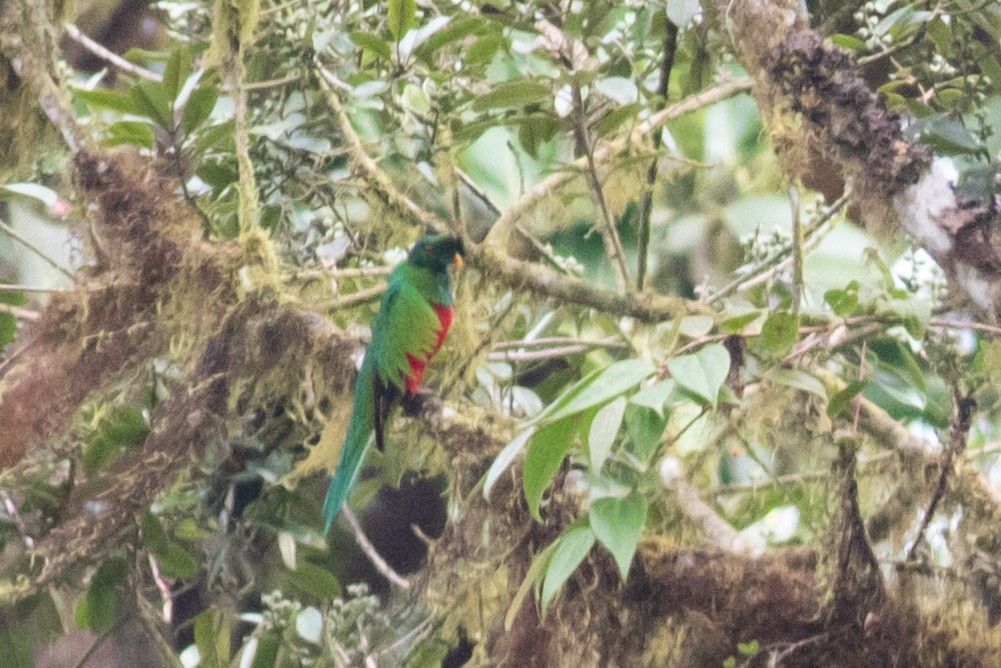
20	313
607	342
666	65
13	287
613	244
109	56
370	551
962	418
35	249
353	299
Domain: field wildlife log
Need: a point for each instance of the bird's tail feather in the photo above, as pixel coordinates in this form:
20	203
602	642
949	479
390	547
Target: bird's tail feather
355	446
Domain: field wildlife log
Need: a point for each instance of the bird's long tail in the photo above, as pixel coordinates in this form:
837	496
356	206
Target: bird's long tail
355	446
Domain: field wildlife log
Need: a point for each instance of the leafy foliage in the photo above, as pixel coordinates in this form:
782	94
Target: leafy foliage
786	342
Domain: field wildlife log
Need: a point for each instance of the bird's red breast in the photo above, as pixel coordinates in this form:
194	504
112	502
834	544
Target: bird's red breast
419	363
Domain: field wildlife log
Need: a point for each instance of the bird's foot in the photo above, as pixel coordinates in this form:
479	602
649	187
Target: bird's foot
420	402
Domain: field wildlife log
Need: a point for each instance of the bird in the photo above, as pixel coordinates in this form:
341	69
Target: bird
414	318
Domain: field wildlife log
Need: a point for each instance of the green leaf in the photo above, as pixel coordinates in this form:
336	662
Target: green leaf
485	49
132	133
266	652
655	396
843	302
177	562
848	42
695	326
372	43
198	107
315	580
110	100
571	549
402	15
102	599
946	135
616	117
154	536
645	427
458	29
703	372
799	380
504	459
152	102
176	73
548	448
617	523
212	638
780	332
597	389
738	323
843	398
535	573
604	428
516	93
535	131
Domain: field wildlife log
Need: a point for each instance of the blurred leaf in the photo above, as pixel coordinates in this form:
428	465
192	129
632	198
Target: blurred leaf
198	107
618	523
266	651
534	574
133	133
546	452
177	562
458	28
799	380
848	42
702	372
945	135
512	94
645	427
154	536
504	459
571	549
402	17
372	43
780	332
604	429
655	396
110	100
212	638
842	399
485	48
843	302
535	131
316	580
151	101
737	323
616	117
102	598
594	390
176	73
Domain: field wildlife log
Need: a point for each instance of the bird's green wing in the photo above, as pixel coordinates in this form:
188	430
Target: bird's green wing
406	324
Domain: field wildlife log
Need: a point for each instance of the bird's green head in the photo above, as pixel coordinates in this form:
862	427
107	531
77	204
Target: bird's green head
436	252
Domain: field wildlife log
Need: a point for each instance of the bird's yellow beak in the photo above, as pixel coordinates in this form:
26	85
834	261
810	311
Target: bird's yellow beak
458	261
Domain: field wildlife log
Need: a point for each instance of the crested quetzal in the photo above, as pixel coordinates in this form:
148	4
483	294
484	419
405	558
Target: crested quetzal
413	320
